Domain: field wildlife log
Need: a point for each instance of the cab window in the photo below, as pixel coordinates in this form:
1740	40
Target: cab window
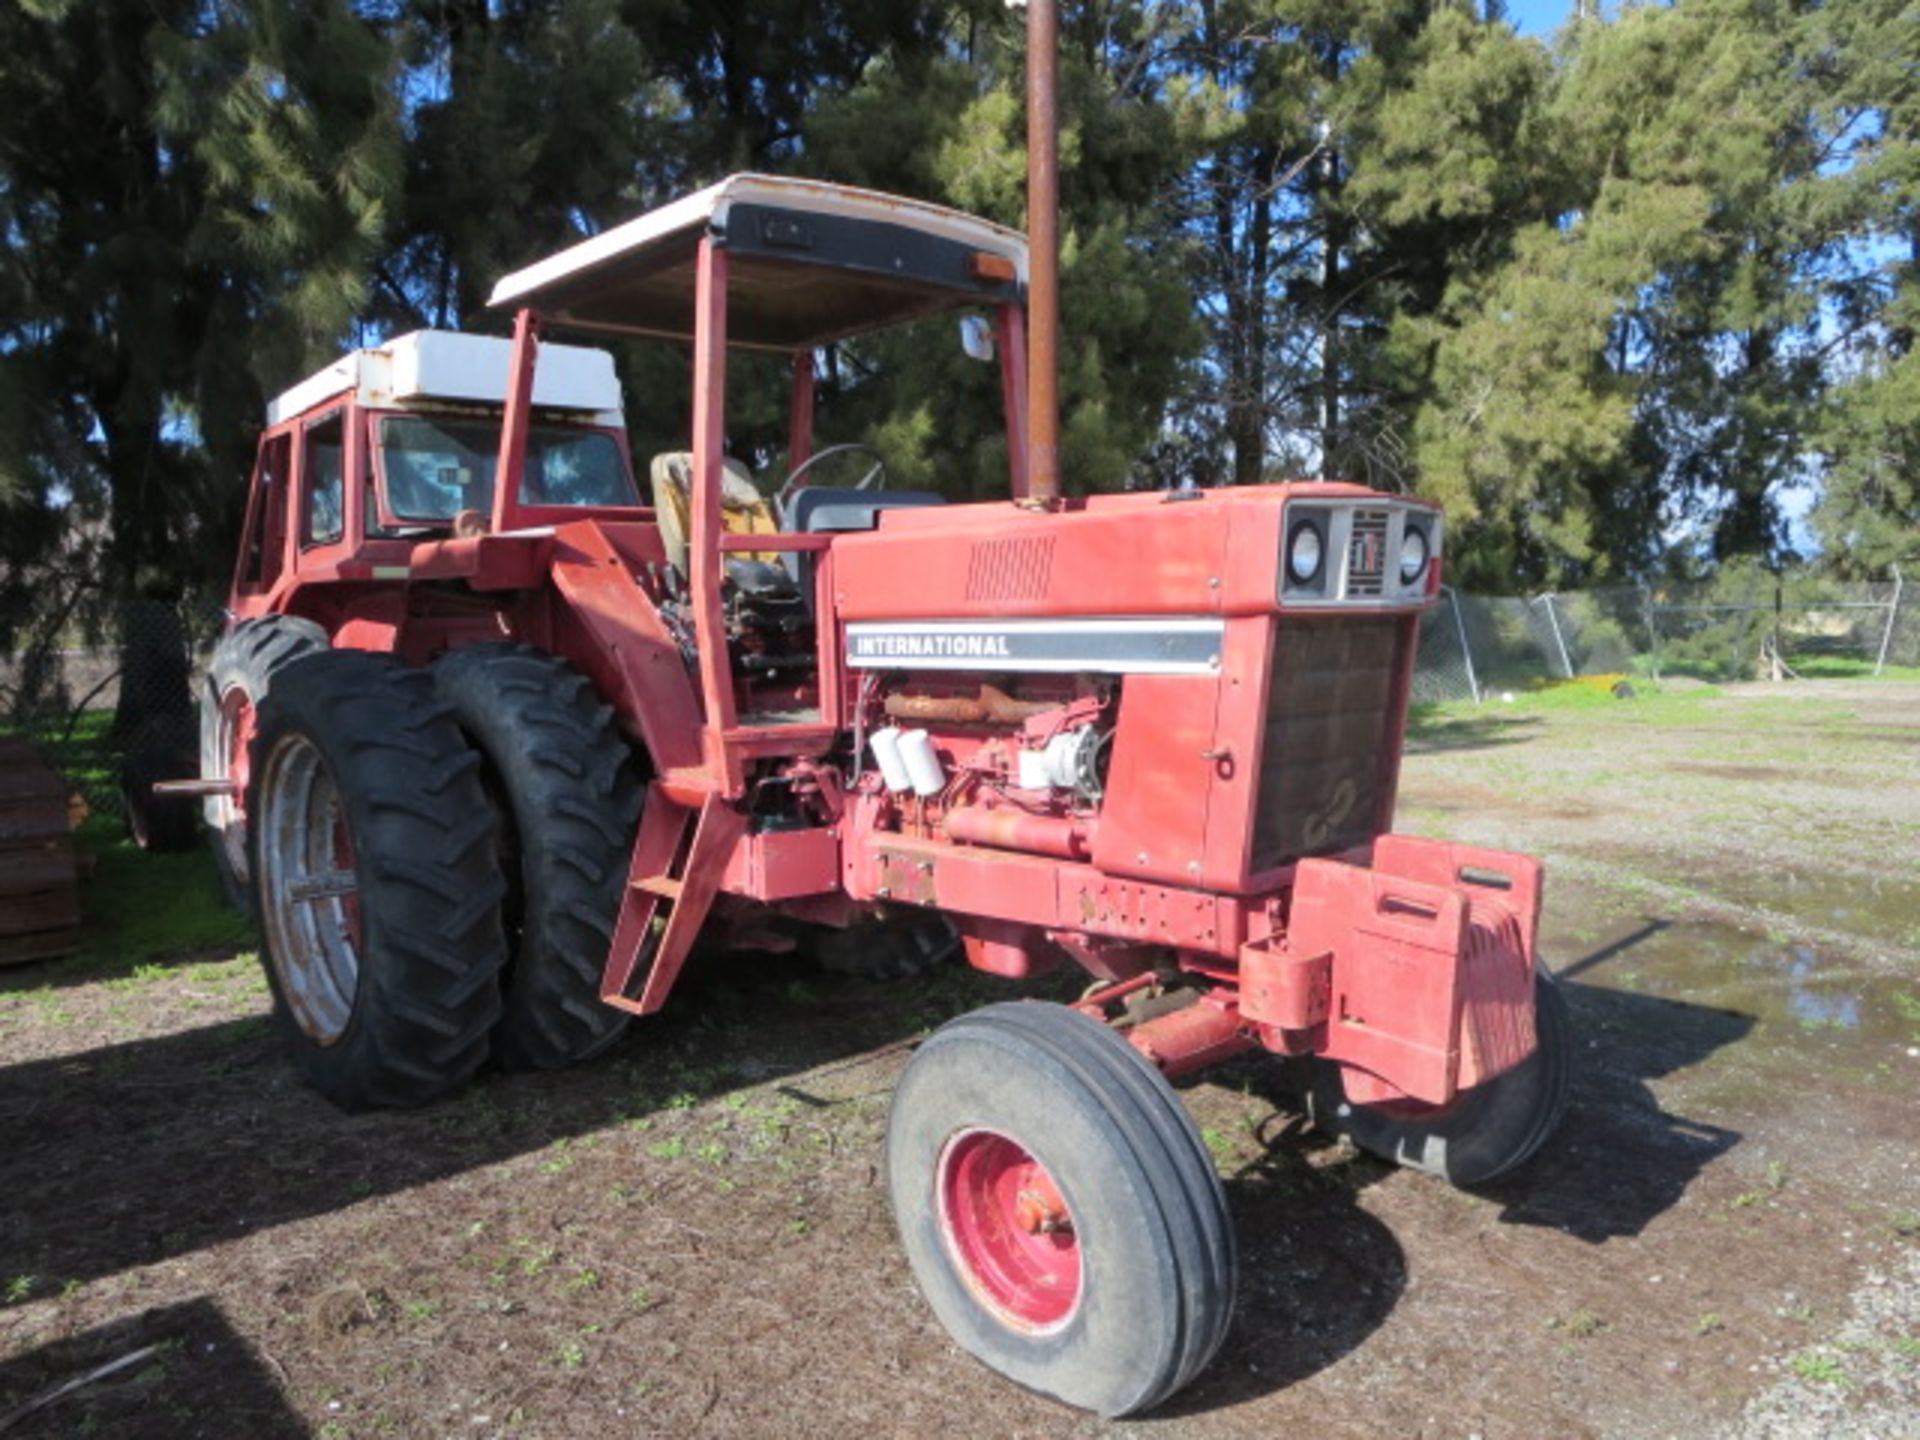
323	518
434	468
267	516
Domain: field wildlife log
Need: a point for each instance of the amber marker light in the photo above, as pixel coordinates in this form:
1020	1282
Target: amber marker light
988	266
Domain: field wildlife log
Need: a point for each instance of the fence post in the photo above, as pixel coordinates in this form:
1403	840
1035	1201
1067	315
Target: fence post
1466	651
1777	670
1893	613
1558	639
1653	629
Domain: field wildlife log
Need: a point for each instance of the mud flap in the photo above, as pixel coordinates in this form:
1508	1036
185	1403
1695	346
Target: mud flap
1431	981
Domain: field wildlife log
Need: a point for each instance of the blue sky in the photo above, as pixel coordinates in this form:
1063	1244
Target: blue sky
1538	17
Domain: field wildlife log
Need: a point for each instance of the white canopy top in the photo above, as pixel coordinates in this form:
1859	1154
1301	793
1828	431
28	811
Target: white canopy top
638	277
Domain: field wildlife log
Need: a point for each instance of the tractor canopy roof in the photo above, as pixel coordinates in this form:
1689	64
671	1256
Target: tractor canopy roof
808	262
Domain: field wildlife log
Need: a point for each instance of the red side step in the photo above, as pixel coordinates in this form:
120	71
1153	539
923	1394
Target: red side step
668	871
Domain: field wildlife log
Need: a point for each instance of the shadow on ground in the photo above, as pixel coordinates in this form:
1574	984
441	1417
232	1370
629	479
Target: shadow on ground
130	1154
1318	1273
196	1355
1429	736
1619	1160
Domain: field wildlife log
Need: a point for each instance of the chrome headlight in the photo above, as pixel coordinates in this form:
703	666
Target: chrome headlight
1413	555
1305	552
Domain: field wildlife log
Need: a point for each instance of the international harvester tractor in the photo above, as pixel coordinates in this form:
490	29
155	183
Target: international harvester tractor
496	729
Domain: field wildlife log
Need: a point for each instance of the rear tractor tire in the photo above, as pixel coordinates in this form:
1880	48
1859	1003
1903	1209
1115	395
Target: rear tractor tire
897	947
1487	1131
378	880
240	676
563	786
1058	1208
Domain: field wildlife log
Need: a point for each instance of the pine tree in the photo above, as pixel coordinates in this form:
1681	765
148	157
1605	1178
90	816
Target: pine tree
190	194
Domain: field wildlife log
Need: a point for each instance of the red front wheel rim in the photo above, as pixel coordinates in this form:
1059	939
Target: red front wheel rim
1009	1230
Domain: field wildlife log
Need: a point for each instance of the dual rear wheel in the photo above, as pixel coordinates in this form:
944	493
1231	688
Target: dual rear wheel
436	859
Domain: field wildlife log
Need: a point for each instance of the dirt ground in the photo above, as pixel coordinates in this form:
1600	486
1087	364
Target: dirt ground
691	1236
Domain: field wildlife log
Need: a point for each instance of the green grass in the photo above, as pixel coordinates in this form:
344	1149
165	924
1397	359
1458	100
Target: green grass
1848	667
1818	1368
1589	695
138	907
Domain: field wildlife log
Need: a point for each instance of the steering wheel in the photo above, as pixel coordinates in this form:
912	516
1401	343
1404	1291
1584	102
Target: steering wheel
874	479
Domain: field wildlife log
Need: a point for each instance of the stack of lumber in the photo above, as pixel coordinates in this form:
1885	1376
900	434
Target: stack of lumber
39	883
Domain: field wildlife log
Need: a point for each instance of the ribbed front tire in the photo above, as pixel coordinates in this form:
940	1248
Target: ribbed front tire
1058	1207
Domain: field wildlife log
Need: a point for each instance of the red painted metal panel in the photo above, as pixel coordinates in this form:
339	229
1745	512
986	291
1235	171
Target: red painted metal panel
612	631
1503	893
1394	1011
783	864
1039	891
709	454
1160	779
513	426
800	413
1235	755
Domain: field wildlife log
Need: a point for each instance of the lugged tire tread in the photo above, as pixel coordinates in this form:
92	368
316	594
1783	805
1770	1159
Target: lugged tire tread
542	729
249	655
432	944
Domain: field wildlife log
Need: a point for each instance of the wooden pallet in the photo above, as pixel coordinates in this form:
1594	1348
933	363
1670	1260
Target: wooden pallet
39	881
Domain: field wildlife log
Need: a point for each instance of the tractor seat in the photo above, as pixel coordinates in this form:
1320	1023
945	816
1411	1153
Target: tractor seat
743	511
832	510
825	509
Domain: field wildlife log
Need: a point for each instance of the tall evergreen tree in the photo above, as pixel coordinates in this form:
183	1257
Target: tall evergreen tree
190	195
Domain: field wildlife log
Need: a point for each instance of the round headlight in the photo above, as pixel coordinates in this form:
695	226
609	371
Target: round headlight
1303	553
1413	556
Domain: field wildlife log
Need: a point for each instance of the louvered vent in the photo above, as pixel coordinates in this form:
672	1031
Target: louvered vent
1010	569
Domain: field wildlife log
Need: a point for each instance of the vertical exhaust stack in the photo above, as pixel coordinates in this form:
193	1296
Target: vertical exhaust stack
1043	237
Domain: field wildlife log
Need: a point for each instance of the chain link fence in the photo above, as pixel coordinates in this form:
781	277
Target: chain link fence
112	697
1751	626
118	693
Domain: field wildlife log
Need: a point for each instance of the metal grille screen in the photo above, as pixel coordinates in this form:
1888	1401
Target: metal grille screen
1326	738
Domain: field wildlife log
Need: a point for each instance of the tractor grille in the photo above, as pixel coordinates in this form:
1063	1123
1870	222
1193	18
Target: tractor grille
1366	554
1327	734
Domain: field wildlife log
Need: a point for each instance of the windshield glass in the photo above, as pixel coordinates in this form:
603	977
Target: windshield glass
435	467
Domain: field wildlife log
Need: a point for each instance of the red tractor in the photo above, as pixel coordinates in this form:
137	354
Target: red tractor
494	735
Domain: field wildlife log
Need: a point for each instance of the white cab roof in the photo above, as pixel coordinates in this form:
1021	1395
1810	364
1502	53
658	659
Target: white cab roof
472	369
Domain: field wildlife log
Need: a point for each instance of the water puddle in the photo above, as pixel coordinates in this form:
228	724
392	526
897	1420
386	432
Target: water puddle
1883	908
1789	990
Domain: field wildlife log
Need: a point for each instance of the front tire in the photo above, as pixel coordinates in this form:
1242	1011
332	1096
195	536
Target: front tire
1487	1131
563	782
378	880
1058	1208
